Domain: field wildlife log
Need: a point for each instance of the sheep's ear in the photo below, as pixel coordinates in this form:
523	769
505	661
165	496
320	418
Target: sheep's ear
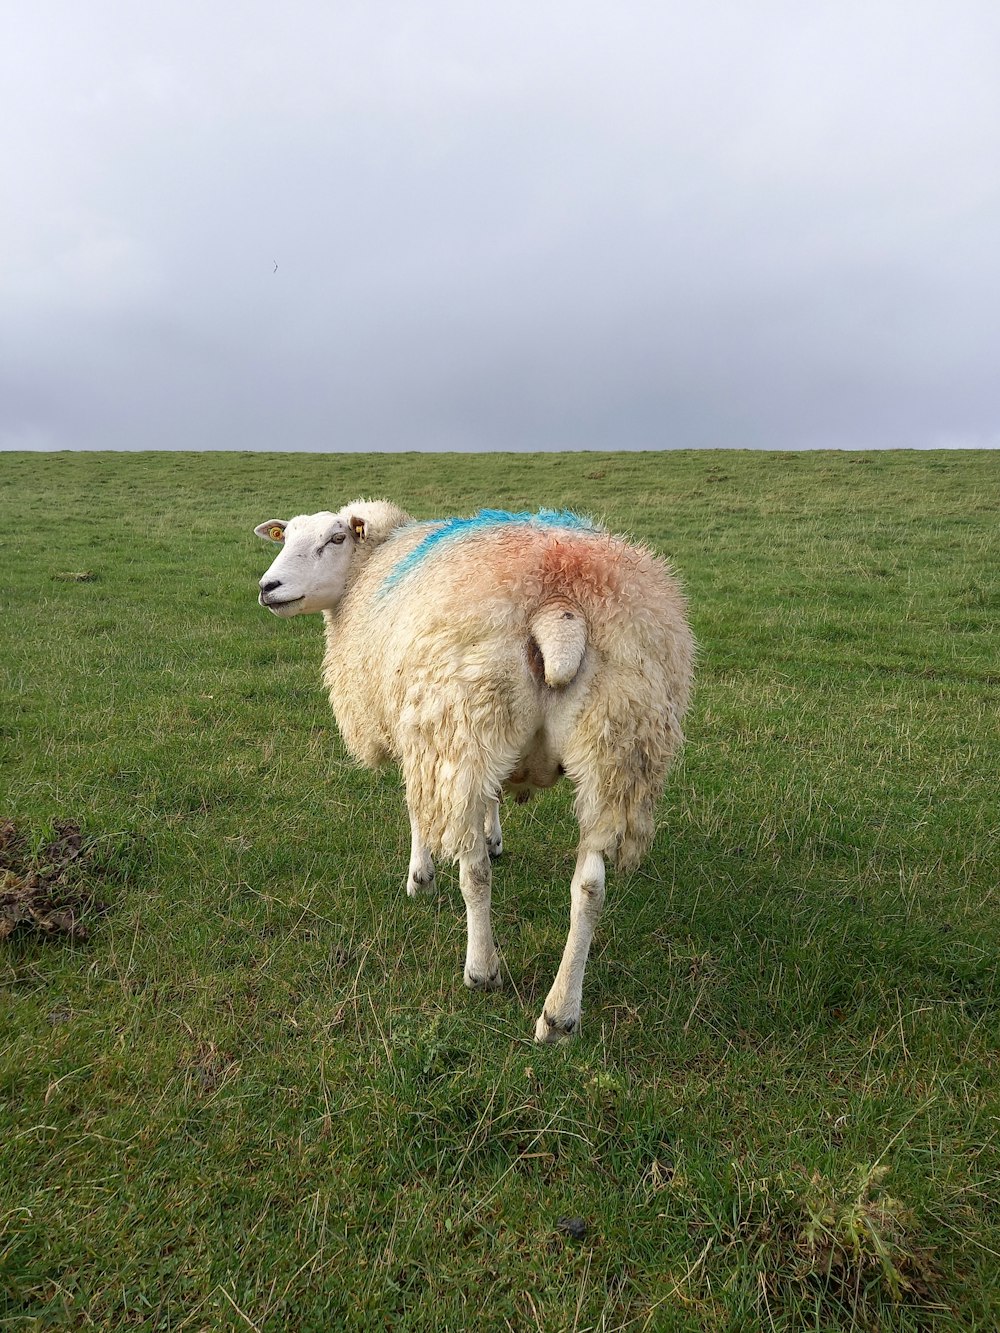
359	527
273	530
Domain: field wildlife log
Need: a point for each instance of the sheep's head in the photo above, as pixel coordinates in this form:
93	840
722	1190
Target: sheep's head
310	571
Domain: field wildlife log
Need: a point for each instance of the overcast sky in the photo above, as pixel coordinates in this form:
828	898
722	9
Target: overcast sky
430	225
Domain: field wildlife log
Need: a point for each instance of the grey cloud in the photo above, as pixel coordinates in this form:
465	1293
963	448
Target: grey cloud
572	226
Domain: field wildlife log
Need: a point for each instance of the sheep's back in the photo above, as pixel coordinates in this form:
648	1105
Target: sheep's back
458	618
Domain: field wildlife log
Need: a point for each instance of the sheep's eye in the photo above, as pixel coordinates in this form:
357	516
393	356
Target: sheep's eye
337	539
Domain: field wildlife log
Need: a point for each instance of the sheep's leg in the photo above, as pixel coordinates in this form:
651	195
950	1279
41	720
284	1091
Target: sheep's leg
475	876
420	880
494	836
560	1017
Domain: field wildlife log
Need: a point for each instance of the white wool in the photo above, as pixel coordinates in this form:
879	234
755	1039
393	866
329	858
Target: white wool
479	673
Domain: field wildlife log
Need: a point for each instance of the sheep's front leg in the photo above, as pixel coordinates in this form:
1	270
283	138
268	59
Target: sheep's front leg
475	875
494	836
420	880
560	1017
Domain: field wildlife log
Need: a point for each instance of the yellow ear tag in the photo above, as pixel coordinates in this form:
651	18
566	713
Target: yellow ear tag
358	527
276	534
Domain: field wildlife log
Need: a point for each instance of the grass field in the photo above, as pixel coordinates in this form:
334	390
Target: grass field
259	1095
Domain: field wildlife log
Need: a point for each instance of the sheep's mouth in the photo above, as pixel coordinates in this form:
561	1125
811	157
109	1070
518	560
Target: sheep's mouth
277	606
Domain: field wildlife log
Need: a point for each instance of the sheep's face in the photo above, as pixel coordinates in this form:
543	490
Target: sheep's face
310	571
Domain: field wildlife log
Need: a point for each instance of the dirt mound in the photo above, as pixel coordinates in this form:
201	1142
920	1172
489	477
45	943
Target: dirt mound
43	892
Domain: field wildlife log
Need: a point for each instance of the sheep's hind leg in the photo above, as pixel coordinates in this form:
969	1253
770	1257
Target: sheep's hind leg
475	875
494	835
560	1017
420	880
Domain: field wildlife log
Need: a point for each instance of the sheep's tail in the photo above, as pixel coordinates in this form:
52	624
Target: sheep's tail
557	644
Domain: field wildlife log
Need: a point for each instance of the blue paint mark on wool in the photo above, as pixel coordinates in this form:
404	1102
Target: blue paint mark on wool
454	529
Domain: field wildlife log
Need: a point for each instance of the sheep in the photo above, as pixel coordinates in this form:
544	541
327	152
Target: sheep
492	653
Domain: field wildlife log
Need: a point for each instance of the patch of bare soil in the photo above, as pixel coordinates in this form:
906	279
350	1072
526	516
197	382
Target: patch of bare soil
43	892
208	1068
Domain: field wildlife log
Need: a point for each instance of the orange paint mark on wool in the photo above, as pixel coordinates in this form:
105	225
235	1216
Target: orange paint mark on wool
536	567
583	569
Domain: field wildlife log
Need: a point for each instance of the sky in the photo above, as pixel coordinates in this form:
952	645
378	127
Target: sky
382	226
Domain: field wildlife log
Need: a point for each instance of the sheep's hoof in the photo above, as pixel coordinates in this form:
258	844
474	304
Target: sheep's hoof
419	885
495	847
549	1030
489	981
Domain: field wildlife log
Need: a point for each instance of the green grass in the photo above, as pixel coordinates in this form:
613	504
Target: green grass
260	1096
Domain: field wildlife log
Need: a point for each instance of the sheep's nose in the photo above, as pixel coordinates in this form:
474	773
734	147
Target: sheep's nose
269	585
